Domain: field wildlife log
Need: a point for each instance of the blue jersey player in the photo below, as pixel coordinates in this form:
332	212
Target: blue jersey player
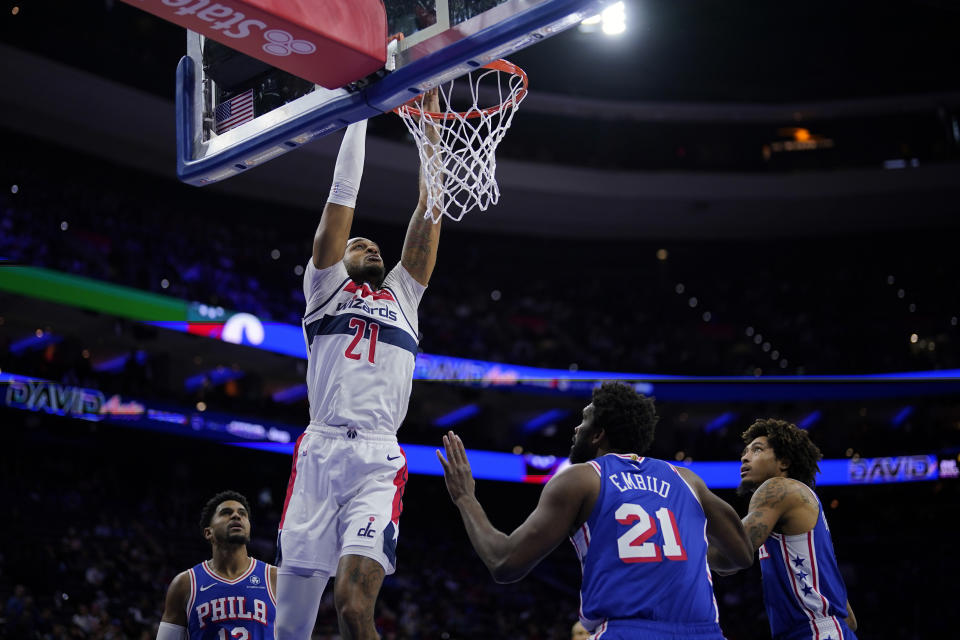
803	590
640	526
229	597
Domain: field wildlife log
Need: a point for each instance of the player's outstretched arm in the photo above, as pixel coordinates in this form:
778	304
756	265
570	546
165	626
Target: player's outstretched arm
173	624
729	548
423	235
510	557
330	240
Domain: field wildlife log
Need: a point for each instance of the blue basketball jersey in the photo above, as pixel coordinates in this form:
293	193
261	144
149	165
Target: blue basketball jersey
643	550
240	609
803	590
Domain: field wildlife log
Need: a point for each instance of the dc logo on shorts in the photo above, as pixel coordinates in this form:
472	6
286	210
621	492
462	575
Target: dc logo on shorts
351	433
281	43
368	531
254	580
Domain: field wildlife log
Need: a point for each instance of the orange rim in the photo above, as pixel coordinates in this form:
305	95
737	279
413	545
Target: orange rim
497	65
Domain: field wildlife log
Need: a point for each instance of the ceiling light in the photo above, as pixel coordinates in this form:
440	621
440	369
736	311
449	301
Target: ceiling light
614	19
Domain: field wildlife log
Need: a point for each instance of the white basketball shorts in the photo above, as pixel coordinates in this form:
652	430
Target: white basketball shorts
344	497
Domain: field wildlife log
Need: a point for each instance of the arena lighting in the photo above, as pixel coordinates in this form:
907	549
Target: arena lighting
457	416
291	394
491	465
901	416
214	378
720	422
35	394
204	320
545	418
614	19
34	341
110	365
810	420
117	363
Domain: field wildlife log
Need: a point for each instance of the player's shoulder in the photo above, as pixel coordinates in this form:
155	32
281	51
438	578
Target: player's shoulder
577	473
336	271
785	490
271	575
180	585
780	483
576	484
183	576
399	276
687	474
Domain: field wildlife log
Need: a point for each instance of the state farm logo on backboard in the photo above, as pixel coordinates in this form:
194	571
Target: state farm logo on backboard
235	24
281	43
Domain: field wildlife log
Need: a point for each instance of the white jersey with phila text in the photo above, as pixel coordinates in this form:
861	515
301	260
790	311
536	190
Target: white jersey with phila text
361	348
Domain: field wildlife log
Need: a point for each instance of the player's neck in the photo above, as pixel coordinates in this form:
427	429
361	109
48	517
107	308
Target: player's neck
603	449
230	561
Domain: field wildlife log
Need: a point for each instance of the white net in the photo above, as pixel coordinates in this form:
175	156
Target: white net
457	145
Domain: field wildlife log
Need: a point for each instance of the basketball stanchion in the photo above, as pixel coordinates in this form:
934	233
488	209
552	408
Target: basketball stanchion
457	146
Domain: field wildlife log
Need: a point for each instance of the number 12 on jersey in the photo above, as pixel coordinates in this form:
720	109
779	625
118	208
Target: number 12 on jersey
633	545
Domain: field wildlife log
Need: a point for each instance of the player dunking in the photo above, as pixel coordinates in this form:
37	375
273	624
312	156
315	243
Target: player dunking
640	526
803	590
229	596
344	499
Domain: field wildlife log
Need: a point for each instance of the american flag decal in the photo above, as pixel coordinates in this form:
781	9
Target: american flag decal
234	112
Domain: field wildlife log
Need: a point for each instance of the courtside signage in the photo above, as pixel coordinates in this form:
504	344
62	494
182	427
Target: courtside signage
34	394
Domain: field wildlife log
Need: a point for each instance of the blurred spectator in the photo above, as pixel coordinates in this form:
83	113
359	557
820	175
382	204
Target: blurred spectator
717	308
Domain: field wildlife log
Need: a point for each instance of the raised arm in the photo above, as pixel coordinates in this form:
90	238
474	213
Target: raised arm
423	235
510	557
173	624
729	547
330	240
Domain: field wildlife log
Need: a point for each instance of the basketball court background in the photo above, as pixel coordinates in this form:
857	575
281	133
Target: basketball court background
695	134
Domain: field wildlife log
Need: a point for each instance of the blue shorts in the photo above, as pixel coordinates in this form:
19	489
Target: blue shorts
649	630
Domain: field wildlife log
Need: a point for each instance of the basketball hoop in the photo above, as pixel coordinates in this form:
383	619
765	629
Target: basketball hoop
460	165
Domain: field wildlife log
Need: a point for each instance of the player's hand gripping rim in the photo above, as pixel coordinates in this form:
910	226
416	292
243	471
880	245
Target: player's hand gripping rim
456	468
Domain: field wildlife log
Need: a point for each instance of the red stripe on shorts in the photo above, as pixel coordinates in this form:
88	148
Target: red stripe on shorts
399	481
293	476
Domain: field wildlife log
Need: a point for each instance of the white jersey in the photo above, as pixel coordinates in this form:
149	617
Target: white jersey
361	348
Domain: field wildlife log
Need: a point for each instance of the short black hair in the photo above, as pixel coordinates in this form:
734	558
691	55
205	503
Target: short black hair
628	417
210	509
790	443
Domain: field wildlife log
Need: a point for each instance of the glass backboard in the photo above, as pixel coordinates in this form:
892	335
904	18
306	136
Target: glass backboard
235	112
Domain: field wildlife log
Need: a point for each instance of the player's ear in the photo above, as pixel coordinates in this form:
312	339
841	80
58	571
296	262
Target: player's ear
783	464
599	436
207	534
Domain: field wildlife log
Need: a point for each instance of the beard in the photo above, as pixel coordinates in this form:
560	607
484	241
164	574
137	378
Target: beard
371	273
747	487
235	538
581	451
